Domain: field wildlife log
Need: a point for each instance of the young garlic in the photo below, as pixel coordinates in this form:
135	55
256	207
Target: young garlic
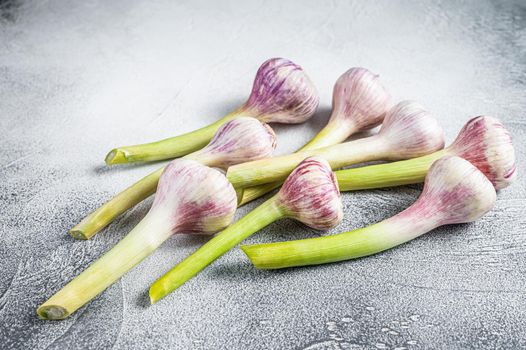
239	140
454	192
281	93
483	141
190	197
359	102
408	131
310	195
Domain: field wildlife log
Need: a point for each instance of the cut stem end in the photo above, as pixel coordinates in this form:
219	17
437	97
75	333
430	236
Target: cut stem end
249	252
78	234
116	156
156	293
52	312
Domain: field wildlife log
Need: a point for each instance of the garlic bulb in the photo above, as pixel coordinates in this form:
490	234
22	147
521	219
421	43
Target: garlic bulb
237	141
282	93
359	100
194	197
487	144
410	131
310	195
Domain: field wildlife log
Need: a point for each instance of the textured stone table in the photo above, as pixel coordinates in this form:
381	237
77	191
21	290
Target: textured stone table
78	78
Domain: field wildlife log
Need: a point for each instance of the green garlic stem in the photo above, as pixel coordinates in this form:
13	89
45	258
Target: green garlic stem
373	176
125	200
130	197
172	147
354	244
252	193
387	175
254	221
132	249
332	134
278	168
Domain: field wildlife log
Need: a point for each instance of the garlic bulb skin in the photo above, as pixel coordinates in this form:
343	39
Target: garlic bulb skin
455	191
359	100
194	198
240	140
485	143
311	195
409	131
282	93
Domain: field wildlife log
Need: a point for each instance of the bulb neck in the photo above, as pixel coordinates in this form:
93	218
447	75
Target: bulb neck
336	131
421	217
354	152
204	157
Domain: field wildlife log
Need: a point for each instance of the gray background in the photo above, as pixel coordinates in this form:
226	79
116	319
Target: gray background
78	78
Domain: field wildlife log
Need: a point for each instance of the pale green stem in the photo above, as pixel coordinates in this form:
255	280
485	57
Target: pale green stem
373	176
344	246
132	249
172	147
332	134
387	175
254	221
133	195
278	168
253	193
125	200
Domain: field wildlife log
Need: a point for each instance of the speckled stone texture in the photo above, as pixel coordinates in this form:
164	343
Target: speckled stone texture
79	78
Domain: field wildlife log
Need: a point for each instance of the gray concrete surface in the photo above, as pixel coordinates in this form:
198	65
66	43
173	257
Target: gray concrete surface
78	78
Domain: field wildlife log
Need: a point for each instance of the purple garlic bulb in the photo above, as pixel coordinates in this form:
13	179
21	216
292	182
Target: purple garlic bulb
311	195
359	100
194	197
282	93
455	191
409	131
240	140
485	143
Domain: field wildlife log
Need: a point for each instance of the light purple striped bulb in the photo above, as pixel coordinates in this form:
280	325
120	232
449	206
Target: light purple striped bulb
282	93
311	195
240	140
409	131
359	100
194	198
455	191
485	143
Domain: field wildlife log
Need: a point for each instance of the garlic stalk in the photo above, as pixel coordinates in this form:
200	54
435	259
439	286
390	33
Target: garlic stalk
454	192
281	93
359	102
483	141
190	198
236	141
310	195
408	131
